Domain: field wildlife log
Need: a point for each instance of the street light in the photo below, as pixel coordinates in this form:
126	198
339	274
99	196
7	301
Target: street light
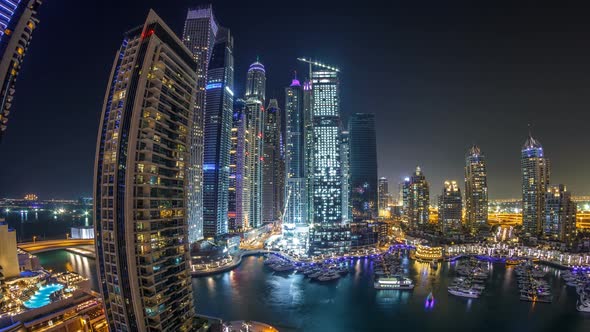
34	238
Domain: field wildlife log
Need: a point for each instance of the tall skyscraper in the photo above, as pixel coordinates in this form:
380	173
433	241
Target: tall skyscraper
535	170
272	191
559	222
329	233
383	194
239	176
476	188
200	30
218	123
9	267
363	166
450	208
18	19
140	187
345	160
255	118
295	193
418	199
308	147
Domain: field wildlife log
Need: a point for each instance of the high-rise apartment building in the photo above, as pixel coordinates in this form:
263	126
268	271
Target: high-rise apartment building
450	208
535	171
9	267
476	188
384	197
295	193
217	134
140	182
272	191
200	30
363	166
239	176
329	233
559	220
345	160
418	199
18	20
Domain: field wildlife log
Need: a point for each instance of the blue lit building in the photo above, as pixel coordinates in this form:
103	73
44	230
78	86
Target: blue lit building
18	19
200	30
329	233
217	135
535	171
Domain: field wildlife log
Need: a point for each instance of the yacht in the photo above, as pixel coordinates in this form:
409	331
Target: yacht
395	283
465	292
329	276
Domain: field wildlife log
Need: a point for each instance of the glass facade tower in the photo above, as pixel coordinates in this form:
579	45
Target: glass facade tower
140	182
559	222
476	188
272	191
450	208
535	171
217	132
418	199
200	30
329	233
363	166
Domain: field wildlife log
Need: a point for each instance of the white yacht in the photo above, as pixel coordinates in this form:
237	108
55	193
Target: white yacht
465	292
395	283
332	275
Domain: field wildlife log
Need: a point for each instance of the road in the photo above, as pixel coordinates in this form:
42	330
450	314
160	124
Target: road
40	246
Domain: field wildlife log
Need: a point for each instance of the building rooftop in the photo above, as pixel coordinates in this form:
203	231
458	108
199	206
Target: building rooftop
531	143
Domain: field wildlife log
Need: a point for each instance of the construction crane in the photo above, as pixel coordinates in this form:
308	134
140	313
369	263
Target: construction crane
319	64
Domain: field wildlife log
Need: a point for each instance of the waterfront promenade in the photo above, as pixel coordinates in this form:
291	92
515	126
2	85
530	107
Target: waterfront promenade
49	245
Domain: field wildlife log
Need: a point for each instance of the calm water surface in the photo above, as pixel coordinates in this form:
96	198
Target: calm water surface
294	303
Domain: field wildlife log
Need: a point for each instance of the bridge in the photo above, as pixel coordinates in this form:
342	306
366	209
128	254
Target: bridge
41	246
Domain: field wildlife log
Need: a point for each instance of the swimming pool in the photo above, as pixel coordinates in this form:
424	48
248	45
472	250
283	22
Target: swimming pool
41	297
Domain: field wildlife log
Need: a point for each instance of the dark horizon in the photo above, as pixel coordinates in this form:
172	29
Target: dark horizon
439	78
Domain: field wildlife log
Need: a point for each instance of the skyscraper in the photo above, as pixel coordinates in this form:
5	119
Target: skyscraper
218	122
476	188
295	193
18	19
308	147
200	30
272	191
383	194
255	117
363	166
345	160
450	208
9	267
140	187
559	222
535	170
239	176
418	199
328	232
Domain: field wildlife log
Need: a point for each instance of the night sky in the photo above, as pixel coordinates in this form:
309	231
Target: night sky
439	76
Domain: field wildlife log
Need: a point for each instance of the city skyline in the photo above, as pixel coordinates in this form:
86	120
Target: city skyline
33	122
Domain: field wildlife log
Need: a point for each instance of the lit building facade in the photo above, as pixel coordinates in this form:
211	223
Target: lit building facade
363	166
535	171
345	160
255	120
218	122
272	166
239	172
9	267
559	222
450	208
384	196
200	30
308	143
18	19
476	188
140	183
418	199
295	193
329	233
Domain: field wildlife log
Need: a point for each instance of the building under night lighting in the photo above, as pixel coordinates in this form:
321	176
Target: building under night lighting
417	200
329	233
272	191
200	30
559	220
140	183
217	132
363	166
535	171
450	208
476	188
18	19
